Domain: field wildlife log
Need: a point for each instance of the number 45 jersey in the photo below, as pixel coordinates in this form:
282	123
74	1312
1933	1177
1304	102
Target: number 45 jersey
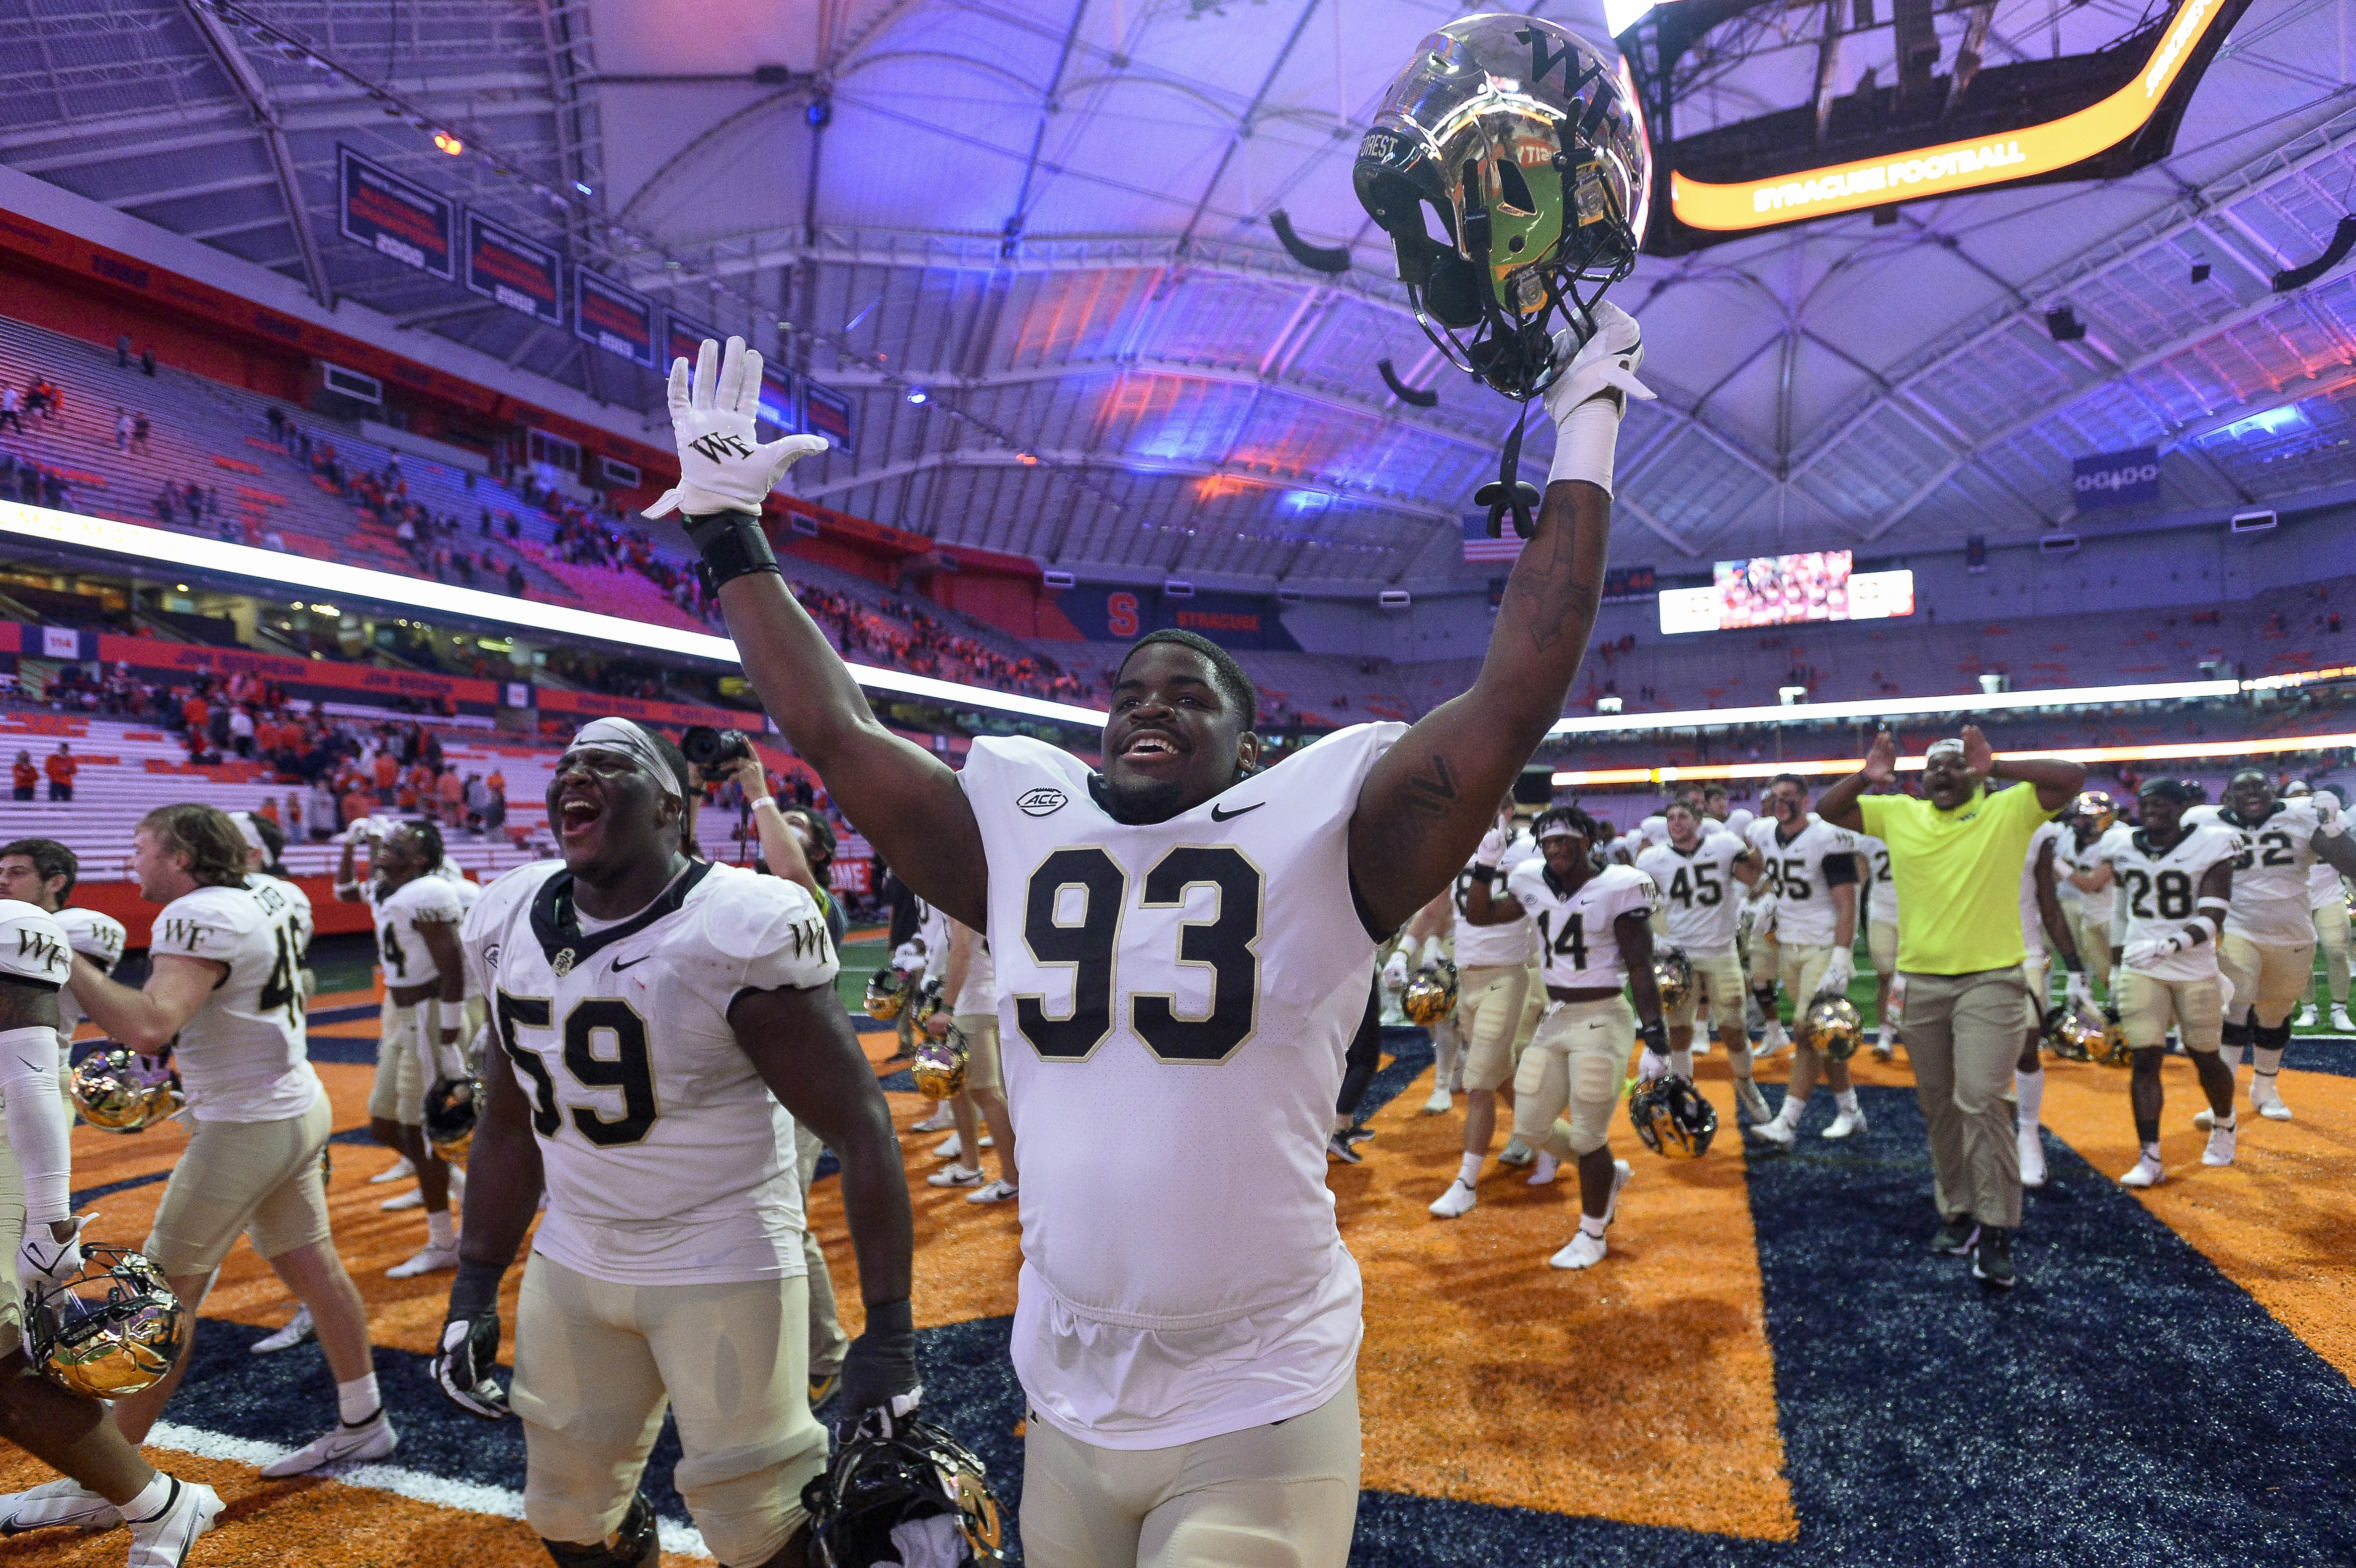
1175	999
243	1055
668	1160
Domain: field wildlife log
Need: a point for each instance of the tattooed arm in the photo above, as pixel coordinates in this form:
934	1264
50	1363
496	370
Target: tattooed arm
1427	803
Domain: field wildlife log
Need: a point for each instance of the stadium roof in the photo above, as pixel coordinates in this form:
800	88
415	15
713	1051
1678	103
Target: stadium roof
1052	220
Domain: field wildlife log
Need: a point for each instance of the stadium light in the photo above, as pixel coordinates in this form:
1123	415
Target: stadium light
140	545
1819	767
1920	707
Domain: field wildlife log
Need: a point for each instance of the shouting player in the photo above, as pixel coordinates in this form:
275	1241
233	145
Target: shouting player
1184	948
1696	874
661	1025
1809	868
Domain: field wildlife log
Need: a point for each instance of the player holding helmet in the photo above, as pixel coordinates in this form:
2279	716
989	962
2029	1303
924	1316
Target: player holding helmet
1810	872
1697	874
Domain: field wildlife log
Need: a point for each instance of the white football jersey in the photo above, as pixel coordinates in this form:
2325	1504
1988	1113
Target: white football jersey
97	937
2033	923
407	960
2323	887
668	1160
2273	892
2069	855
1654	829
1873	872
243	1055
1698	891
2161	892
1737	822
1503	946
1578	948
1175	999
1804	916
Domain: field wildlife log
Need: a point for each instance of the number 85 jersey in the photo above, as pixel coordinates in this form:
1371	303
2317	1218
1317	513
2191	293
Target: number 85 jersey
668	1160
1175	999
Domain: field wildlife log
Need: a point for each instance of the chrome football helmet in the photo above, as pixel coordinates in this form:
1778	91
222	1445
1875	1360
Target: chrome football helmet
452	1107
1673	977
1430	995
1831	1026
887	994
2074	1034
112	1330
119	1091
940	1064
919	1476
1672	1118
926	1002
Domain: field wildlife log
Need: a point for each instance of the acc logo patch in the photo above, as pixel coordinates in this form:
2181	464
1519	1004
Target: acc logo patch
1040	802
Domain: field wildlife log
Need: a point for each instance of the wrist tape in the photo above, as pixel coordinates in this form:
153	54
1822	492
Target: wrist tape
732	544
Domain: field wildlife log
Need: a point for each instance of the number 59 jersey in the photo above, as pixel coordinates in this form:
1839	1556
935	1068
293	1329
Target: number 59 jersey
667	1159
243	1055
1175	999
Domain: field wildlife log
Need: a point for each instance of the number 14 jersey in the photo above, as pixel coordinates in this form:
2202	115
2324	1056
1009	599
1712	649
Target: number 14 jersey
1175	999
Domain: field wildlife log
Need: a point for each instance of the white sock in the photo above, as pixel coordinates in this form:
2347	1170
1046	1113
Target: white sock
2151	1153
356	1401
1794	1107
439	1230
151	1499
1681	1064
2269	1062
1846	1099
1591	1225
2029	1088
1469	1173
1544	1171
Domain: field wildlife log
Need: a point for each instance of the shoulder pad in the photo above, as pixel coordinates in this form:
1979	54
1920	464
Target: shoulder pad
224	909
740	910
33	946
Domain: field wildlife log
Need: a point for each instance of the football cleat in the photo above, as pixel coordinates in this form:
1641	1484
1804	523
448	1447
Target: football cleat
401	1170
425	1260
1542	1174
2266	1099
112	1330
1440	1103
2340	1022
2146	1173
1459	1200
161	1540
996	1192
1672	1118
1955	1235
940	1121
1775	1130
956	1175
2306	1018
61	1503
412	1199
298	1329
1992	1257
1585	1251
2221	1145
916	1494
1339	1147
1845	1124
345	1444
1517	1153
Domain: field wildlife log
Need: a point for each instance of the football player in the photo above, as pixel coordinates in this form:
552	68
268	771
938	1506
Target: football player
1736	821
224	996
104	1480
2176	882
1184	947
2044	931
1696	876
417	916
2092	816
1433	933
1493	979
659	1020
42	872
1595	936
1881	936
2267	951
2327	896
1809	867
969	984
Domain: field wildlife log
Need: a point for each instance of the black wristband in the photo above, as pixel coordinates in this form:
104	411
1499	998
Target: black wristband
890	1318
2072	963
1655	1036
732	545
475	1290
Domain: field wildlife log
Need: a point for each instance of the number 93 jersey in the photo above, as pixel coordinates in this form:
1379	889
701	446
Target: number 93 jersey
667	1158
1175	999
1699	889
1576	944
2161	892
242	1055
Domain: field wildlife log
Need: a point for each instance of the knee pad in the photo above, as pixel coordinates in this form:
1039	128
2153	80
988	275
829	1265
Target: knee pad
2237	1035
2271	1037
635	1544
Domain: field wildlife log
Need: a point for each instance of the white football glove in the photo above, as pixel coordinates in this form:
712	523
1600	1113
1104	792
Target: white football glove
1395	972
1605	362
2148	949
1839	972
1650	1066
723	466
1493	848
2078	991
44	1260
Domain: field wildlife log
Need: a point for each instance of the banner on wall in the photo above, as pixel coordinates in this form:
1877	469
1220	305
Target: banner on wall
1113	615
684	337
827	412
394	216
304	678
618	320
2115	479
503	265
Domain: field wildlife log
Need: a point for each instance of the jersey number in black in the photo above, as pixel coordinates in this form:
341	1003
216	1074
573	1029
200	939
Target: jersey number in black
2170	892
1224	944
280	989
628	1069
394	958
1701	887
1572	942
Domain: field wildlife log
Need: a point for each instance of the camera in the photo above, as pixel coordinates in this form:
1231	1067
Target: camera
708	748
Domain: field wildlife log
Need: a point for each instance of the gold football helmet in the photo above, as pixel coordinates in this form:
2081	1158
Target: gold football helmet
1673	976
939	1067
887	993
2114	1052
118	1091
112	1330
1831	1026
926	1002
1431	996
2095	806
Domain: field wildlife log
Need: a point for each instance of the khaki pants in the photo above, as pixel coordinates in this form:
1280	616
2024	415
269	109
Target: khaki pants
596	1364
1284	1495
828	1342
399	1092
1573	1069
2332	935
981	1031
1489	999
1963	1035
1718	976
2270	979
236	1176
1799	969
2093	939
2147	1005
2036	972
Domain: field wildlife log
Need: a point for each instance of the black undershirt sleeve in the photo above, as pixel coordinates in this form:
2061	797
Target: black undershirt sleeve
1839	870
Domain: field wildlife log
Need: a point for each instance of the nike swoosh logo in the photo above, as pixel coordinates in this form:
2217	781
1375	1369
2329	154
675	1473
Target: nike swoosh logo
1218	816
619	966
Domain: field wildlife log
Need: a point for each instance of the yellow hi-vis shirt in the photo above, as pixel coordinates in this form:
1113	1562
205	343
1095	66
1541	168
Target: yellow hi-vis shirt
1958	876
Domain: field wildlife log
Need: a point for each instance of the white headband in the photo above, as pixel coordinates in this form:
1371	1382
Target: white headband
625	736
1937	746
244	820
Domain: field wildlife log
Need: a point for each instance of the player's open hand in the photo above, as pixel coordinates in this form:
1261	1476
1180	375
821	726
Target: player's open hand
722	465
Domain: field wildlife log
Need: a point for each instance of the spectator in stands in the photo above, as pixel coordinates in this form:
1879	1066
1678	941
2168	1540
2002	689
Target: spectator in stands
477	798
62	768
240	731
495	814
122	351
147	360
515	579
122	429
294	815
28	775
140	430
357	801
12	403
324	814
386	770
451	791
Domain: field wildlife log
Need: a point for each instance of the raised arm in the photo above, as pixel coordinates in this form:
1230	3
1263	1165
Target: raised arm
2057	783
1425	806
1839	806
899	795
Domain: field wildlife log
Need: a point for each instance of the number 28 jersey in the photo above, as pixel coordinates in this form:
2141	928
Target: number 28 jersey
2160	891
244	1056
1174	1002
667	1158
1577	945
1698	891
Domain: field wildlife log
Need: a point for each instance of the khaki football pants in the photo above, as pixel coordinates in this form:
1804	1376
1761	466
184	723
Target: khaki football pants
1719	977
2271	980
12	1236
597	1363
2147	1005
1573	1069
2332	935
1489	1000
1279	1496
2094	938
399	1092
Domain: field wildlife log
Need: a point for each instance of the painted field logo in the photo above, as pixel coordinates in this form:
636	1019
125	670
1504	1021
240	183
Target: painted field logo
1040	802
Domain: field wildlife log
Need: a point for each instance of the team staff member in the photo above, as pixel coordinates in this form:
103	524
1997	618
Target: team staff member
1961	994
